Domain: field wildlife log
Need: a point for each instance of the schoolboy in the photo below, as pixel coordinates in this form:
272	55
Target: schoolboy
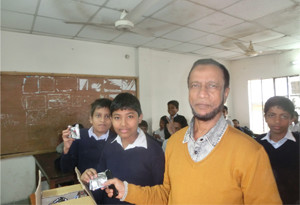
173	108
86	151
282	147
131	156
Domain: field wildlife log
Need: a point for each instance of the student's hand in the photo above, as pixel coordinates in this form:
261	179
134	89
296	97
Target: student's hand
157	136
119	186
67	140
88	174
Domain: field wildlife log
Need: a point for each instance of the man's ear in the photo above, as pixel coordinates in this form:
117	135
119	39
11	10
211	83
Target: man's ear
226	93
140	118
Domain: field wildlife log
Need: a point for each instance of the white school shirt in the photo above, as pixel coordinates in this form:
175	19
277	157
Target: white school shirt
140	141
102	137
288	136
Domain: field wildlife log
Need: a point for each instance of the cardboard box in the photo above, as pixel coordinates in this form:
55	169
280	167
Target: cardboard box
48	196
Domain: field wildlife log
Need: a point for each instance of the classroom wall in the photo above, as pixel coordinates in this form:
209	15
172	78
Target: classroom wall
162	77
32	53
259	67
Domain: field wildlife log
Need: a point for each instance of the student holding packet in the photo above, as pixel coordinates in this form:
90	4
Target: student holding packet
131	156
85	152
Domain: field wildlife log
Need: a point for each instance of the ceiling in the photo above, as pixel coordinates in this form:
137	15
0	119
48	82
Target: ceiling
208	28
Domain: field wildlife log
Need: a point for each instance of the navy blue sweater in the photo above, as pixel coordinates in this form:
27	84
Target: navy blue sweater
84	153
285	164
138	165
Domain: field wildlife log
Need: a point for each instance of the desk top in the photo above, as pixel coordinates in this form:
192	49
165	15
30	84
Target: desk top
46	163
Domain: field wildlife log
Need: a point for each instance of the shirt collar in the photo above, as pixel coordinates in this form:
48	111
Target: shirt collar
170	118
214	135
102	137
288	136
140	141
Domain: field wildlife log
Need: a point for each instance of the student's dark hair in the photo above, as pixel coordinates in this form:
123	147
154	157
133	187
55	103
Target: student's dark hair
181	120
100	103
225	107
164	119
124	101
174	102
210	61
282	102
236	121
143	124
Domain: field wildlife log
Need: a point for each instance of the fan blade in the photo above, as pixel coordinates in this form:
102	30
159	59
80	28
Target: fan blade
142	32
241	46
91	24
140	9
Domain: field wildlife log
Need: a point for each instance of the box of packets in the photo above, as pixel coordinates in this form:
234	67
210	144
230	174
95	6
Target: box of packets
73	194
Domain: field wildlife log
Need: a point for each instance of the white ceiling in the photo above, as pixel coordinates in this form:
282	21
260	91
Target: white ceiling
206	28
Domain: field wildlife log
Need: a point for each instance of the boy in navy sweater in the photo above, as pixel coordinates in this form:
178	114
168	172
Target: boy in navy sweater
131	156
86	151
282	147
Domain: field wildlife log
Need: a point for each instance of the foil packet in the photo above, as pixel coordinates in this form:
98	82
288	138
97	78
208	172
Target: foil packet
99	181
75	133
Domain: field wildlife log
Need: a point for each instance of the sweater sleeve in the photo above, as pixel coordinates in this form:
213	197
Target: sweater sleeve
70	160
157	194
258	183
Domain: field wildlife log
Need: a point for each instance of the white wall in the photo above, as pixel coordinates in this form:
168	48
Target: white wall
260	67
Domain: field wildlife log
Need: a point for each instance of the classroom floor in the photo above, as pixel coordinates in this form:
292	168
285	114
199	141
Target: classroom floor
22	202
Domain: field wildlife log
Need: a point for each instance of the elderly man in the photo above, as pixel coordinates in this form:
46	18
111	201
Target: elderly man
208	162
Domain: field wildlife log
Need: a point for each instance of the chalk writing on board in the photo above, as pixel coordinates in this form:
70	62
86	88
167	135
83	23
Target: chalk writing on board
83	84
37	107
96	87
123	84
7	120
30	84
35	117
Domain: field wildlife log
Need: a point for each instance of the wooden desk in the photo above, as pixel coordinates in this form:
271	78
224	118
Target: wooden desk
45	163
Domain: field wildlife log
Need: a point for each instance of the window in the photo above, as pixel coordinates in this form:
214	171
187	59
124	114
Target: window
261	90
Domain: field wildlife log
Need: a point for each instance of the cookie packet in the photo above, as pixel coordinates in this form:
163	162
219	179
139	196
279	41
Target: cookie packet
99	181
75	133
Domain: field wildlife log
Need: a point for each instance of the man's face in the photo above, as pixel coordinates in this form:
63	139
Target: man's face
278	120
206	92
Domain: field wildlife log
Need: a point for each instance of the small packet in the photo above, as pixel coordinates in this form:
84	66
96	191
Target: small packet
58	200
98	182
75	134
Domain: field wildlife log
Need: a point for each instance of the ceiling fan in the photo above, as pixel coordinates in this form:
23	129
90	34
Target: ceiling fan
127	20
248	51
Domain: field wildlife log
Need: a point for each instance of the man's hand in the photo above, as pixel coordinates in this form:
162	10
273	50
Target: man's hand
119	186
88	175
67	140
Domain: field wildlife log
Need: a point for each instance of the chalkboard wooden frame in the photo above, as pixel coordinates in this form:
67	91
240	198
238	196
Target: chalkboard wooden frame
36	107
